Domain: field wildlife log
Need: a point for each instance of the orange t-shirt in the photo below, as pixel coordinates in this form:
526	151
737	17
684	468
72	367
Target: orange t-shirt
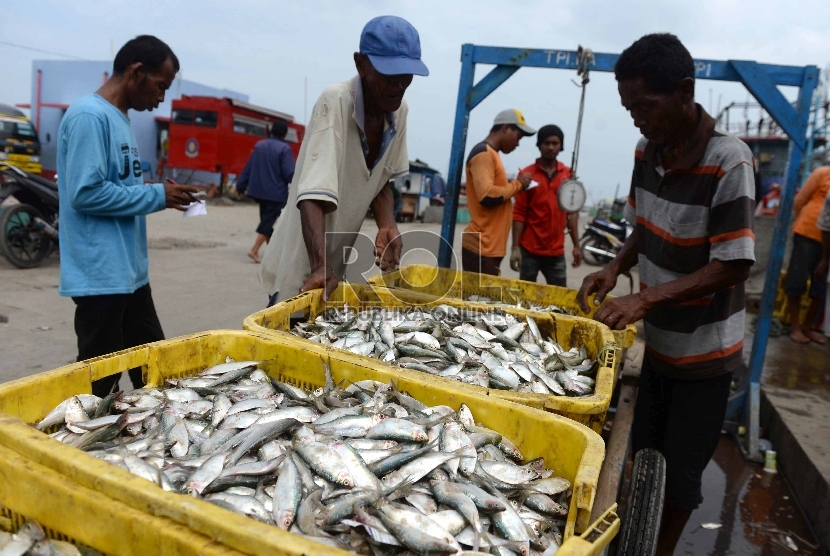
489	226
809	201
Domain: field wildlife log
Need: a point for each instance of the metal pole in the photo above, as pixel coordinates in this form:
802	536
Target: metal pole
808	156
776	259
38	79
459	144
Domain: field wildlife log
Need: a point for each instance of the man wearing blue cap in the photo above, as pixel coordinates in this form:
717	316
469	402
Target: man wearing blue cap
355	143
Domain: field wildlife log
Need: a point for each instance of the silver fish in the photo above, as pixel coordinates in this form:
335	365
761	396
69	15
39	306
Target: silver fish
209	471
325	461
287	495
57	416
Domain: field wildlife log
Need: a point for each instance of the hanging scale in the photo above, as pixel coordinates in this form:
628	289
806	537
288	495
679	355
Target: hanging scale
571	194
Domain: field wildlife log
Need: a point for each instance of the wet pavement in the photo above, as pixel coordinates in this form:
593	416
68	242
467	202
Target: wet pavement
795	416
797	367
756	511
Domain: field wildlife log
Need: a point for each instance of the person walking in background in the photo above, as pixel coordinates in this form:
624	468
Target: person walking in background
103	203
265	179
484	241
538	222
806	256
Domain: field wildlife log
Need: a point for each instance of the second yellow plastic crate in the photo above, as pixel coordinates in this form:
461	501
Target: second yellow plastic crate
572	450
566	330
448	282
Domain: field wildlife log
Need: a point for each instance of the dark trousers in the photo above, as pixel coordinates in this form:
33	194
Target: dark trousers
475	262
804	260
108	323
269	211
553	268
682	419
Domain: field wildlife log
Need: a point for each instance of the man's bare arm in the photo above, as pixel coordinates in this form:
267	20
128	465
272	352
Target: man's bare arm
714	277
313	223
383	207
388	243
518	228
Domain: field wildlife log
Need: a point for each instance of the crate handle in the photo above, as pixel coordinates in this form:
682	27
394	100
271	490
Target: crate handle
609	354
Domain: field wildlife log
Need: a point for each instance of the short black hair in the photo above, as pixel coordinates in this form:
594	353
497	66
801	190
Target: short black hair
498	127
279	129
659	59
147	49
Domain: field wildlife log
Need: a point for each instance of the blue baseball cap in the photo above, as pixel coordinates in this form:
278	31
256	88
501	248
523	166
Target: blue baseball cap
393	46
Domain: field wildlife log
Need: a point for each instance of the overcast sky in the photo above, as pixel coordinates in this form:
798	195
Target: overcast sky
267	48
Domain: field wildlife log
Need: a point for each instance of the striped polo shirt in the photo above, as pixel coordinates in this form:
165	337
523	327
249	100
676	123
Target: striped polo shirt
700	210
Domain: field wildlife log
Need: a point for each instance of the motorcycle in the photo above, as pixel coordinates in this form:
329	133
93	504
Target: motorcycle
28	229
604	238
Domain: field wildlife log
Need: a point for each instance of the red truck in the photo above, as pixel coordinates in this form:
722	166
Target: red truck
218	134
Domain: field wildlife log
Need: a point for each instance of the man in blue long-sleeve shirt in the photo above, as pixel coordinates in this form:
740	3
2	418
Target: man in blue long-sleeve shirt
265	179
103	203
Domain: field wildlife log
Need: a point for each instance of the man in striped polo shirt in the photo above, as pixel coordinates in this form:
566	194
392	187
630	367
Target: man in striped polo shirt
692	198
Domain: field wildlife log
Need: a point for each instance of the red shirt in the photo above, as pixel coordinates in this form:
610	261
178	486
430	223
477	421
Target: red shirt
544	232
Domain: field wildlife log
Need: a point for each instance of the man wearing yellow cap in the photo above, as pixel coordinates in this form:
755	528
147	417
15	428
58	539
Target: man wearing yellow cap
484	241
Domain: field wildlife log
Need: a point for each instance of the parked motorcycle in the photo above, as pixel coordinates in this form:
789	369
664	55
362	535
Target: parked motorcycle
603	238
28	229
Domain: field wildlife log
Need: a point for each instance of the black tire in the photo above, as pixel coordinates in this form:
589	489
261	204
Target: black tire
644	506
21	243
599	243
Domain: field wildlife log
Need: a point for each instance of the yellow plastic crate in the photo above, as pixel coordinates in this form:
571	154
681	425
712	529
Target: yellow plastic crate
567	330
574	451
593	541
72	513
448	282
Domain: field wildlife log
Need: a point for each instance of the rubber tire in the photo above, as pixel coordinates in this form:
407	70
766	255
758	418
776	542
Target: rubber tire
640	526
594	241
45	243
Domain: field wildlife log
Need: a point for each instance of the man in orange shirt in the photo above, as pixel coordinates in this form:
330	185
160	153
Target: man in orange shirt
484	241
538	222
806	256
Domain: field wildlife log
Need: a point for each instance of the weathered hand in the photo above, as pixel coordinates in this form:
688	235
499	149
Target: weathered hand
621	311
525	179
577	254
600	283
388	246
516	259
177	195
323	277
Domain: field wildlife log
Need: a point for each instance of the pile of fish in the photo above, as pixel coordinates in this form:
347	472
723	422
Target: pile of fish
362	467
30	540
513	298
493	350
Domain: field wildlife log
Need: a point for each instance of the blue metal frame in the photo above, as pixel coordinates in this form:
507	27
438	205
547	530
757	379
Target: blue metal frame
761	80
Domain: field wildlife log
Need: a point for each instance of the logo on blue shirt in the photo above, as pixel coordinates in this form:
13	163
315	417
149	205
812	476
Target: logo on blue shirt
134	167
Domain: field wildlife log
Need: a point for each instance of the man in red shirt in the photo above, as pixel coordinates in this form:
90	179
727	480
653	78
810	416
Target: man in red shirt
538	223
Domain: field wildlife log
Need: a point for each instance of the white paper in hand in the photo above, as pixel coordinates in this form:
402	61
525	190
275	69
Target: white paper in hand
199	208
533	183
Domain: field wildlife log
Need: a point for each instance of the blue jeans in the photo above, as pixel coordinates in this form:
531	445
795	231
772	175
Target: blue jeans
553	268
